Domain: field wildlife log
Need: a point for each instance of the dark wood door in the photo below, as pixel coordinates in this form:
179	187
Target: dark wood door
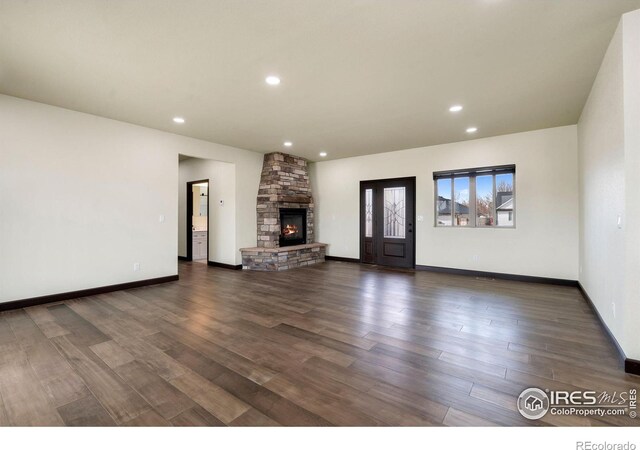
387	217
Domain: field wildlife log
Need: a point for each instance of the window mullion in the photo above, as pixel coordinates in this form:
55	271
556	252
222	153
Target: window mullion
513	196
472	201
435	199
495	196
453	203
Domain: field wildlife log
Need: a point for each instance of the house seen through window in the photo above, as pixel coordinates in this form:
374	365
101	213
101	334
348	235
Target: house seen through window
482	197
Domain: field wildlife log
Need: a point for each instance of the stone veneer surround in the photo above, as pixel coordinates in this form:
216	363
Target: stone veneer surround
284	183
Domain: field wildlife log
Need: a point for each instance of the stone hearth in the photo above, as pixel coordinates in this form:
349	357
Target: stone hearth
284	184
282	258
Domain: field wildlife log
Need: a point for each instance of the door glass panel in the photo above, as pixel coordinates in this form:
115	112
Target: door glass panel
394	212
443	213
368	211
484	201
461	204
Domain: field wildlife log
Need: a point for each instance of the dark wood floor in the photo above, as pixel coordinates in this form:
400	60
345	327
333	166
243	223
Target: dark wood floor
332	344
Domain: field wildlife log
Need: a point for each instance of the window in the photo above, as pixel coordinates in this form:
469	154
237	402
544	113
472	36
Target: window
484	201
443	202
504	200
482	198
461	203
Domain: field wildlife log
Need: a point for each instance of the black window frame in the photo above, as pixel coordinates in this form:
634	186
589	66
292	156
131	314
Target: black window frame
472	174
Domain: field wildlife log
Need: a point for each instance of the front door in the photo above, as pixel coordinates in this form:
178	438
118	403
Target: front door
387	215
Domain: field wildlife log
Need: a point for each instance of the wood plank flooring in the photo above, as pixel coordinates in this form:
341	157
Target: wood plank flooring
331	344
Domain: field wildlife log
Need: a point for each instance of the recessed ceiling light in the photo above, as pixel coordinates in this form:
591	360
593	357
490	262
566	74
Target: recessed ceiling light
288	144
456	108
323	154
178	120
472	130
272	80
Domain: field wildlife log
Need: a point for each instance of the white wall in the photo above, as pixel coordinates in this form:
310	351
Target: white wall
601	167
609	164
545	240
631	43
222	218
96	190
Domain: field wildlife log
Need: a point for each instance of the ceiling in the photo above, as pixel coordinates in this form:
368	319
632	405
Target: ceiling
358	76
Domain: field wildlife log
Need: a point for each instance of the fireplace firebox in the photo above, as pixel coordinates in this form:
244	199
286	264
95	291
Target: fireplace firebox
293	226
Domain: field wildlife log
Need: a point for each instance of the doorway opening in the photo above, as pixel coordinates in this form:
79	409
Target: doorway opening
198	221
387	215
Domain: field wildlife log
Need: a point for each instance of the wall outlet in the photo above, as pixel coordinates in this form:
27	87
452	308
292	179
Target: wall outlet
161	218
136	267
613	308
420	218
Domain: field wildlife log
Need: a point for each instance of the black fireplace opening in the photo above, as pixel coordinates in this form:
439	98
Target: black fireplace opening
293	226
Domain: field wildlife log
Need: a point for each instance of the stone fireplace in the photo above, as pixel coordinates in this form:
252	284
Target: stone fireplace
285	207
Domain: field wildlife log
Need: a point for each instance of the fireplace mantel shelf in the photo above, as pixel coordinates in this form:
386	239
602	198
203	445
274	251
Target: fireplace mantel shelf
290	248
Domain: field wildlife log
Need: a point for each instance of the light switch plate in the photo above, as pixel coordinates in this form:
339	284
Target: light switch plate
161	218
619	220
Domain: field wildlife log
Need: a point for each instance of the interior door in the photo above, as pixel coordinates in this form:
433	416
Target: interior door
387	217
